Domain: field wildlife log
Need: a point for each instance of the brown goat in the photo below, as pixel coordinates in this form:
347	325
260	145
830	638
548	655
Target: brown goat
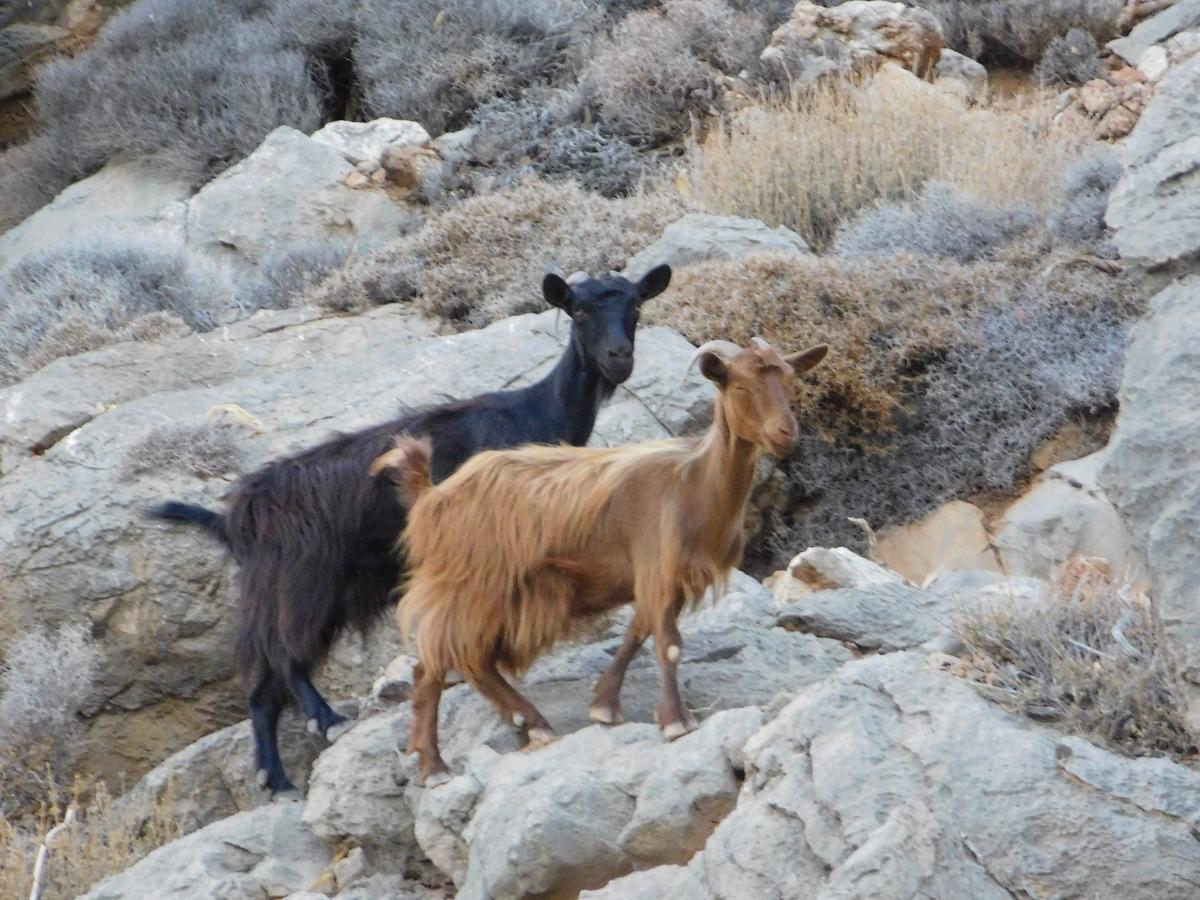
519	547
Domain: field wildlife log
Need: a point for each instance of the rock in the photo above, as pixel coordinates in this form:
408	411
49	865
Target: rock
892	780
288	192
1066	514
952	537
599	802
213	778
821	568
885	617
890	616
411	168
1180	16
161	600
266	852
361	790
1151	476
122	199
1153	206
366	141
22	47
356	789
955	67
817	41
699	237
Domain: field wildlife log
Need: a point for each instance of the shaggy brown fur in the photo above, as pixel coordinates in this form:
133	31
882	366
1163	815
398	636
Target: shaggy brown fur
520	547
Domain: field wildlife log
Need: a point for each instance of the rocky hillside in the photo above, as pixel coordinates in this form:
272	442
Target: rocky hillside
228	232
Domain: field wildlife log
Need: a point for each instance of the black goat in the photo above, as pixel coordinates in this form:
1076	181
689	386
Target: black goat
315	537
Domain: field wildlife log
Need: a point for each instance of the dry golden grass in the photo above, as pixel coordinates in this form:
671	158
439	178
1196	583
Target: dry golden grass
104	838
813	161
1087	659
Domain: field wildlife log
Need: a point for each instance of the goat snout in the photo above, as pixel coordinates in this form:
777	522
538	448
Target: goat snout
783	438
620	354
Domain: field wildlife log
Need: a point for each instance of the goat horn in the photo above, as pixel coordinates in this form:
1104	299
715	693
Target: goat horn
760	343
724	349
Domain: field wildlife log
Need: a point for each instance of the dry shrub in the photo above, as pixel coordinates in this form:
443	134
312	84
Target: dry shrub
44	682
658	68
436	60
813	161
208	450
1088	659
104	838
484	258
942	376
95	291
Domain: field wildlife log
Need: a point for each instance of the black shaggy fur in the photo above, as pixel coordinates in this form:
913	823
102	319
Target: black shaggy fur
314	536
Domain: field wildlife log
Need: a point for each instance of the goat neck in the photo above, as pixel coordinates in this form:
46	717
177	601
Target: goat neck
577	391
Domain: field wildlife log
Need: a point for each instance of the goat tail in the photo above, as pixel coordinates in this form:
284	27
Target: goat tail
174	511
408	465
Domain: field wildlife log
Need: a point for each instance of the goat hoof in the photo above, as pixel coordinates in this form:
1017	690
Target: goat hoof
452	678
336	730
539	738
260	778
674	731
436	779
313	726
605	715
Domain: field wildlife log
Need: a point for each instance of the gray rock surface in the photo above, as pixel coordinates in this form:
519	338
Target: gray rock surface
366	141
267	852
873	784
896	616
1153	207
286	194
971	75
1066	514
75	547
1180	16
121	200
1153	473
361	790
700	237
817	41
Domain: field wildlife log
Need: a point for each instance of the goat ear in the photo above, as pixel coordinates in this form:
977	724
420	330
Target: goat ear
654	282
806	359
714	369
557	292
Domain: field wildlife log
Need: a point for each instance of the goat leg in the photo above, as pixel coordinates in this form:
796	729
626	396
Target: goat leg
606	696
266	704
513	706
423	738
322	719
673	717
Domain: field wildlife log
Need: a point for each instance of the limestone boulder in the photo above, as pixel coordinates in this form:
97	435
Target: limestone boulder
951	538
1183	15
124	199
290	192
699	237
893	780
1151	475
266	852
964	74
1064	515
817	41
1152	208
367	141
